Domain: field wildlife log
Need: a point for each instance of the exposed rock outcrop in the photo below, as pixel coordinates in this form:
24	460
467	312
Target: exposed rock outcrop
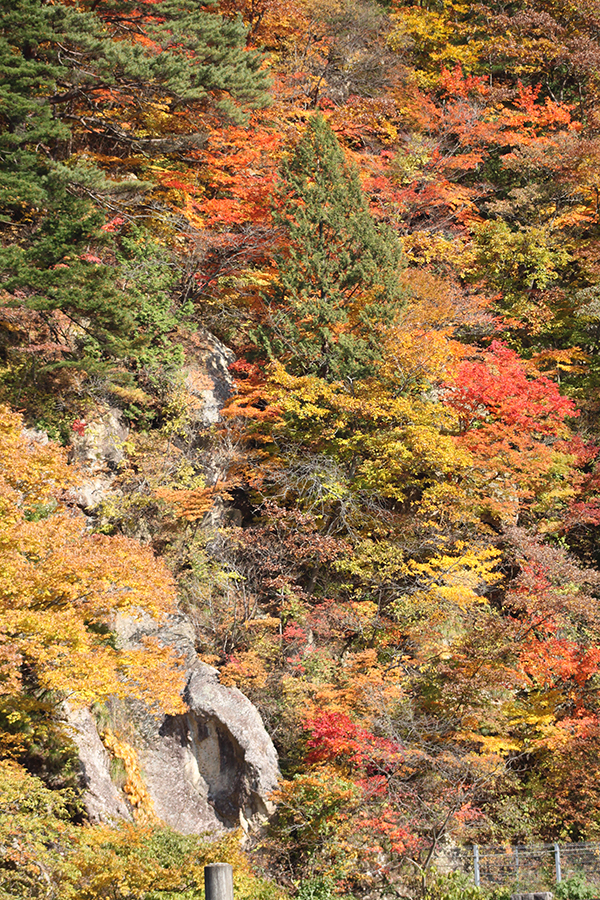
100	446
99	449
210	769
104	801
214	767
208	379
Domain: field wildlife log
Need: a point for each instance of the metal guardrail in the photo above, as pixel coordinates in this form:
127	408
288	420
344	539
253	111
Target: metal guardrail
539	865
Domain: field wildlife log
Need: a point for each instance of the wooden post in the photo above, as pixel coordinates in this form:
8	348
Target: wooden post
476	864
218	881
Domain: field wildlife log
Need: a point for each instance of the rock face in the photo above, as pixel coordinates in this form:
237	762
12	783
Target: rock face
214	767
101	445
208	770
99	450
208	378
104	801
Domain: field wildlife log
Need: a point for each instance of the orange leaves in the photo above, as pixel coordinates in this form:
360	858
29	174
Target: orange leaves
154	674
463	129
553	662
456	84
190	505
245	670
241	172
524	111
315	816
419	357
530	111
376	117
60	567
398	838
223	211
134	786
253	399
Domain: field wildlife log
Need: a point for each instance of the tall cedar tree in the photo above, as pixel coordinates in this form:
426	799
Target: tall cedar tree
338	275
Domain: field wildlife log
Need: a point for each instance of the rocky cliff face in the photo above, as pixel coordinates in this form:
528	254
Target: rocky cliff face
214	767
100	448
210	769
208	380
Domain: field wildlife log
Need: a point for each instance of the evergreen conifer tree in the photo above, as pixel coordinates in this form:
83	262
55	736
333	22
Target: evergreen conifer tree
47	223
338	278
63	67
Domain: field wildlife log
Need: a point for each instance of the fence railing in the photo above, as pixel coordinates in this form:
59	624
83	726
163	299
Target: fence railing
534	865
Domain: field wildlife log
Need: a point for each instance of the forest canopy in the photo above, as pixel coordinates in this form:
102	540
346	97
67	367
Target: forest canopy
385	217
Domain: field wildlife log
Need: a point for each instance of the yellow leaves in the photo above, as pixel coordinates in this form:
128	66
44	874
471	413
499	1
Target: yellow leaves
493	744
134	786
534	718
471	563
332	408
393	431
373	562
431	35
457	579
307	398
422	247
31	473
417	358
70	658
136	861
61	588
444	592
411	161
398	458
53	563
365	614
133	861
154	674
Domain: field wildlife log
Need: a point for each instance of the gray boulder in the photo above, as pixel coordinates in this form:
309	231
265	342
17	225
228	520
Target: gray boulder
210	769
104	801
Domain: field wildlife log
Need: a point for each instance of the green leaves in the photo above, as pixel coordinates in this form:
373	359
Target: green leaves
205	54
33	820
74	79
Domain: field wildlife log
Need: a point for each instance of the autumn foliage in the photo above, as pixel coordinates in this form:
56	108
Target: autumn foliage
388	215
62	588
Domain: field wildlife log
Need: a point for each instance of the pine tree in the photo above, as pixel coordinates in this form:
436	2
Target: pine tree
338	277
72	77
